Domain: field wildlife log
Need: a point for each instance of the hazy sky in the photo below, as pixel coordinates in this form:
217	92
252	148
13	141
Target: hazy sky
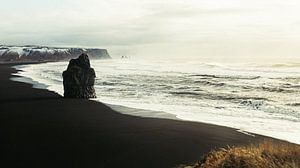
216	30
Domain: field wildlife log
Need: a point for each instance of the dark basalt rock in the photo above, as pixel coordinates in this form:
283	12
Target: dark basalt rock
79	78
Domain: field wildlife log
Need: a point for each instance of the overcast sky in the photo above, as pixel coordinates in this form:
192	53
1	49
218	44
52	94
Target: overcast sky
216	30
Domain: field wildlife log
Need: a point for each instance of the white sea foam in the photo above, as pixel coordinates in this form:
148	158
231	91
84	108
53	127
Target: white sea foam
262	99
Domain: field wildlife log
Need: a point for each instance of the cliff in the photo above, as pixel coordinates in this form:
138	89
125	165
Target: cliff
43	53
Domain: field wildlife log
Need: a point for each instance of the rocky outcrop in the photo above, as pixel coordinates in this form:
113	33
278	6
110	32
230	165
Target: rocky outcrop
42	53
79	78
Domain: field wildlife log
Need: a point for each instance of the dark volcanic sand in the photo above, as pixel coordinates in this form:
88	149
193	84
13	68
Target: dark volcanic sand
39	128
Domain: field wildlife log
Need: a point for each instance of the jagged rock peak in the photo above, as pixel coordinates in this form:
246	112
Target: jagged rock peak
82	61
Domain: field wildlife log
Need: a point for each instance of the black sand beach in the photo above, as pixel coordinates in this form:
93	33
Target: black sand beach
39	128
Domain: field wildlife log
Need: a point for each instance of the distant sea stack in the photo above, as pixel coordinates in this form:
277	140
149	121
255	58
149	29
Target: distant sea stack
43	53
79	78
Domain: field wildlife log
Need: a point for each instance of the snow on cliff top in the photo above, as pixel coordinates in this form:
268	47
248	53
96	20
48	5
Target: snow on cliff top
25	50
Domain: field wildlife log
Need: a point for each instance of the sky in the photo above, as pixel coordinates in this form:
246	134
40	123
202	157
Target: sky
210	30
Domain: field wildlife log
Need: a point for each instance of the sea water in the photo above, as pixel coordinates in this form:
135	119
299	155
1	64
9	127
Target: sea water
255	98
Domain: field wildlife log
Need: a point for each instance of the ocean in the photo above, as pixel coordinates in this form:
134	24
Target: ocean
253	98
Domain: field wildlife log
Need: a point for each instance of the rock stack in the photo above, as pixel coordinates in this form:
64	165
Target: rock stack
79	78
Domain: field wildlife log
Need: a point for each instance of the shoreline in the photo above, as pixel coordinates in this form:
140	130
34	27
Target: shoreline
42	129
28	75
119	108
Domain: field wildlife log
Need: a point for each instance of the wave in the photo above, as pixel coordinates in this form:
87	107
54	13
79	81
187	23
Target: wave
214	96
217	84
289	65
293	104
206	76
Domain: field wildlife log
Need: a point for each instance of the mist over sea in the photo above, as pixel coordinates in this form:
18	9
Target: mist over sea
258	98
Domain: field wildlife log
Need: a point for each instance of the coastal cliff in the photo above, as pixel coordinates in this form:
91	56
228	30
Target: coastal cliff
43	53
